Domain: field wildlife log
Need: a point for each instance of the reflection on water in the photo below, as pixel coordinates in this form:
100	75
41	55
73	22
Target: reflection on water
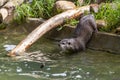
88	65
9	47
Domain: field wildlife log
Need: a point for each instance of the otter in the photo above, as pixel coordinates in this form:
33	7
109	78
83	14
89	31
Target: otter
81	36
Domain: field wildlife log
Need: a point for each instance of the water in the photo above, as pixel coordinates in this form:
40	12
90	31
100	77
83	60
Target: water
88	65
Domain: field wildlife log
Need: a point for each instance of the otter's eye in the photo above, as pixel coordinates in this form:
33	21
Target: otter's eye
69	43
63	43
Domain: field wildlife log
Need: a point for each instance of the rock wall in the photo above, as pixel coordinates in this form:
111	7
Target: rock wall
106	42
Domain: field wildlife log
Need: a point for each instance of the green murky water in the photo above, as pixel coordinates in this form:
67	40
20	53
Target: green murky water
88	65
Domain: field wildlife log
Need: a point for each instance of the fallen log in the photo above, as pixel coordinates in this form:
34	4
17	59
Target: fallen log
45	27
8	8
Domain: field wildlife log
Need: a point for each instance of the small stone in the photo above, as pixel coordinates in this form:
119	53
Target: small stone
19	69
101	23
94	8
78	76
117	31
64	5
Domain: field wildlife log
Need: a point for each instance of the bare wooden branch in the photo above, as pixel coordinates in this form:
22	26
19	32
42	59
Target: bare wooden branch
45	27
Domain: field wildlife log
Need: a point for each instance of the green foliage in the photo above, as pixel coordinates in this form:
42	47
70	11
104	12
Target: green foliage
111	14
2	26
22	12
87	2
37	8
72	22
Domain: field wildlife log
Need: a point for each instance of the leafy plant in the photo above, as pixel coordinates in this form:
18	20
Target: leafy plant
37	8
111	14
72	22
2	26
22	12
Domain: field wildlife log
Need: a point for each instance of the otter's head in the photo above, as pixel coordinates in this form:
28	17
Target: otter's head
68	44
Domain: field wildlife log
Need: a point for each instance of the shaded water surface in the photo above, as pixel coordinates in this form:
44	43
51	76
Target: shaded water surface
88	65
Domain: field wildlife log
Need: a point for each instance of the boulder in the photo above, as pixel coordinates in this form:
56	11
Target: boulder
101	23
94	8
105	42
117	31
61	6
